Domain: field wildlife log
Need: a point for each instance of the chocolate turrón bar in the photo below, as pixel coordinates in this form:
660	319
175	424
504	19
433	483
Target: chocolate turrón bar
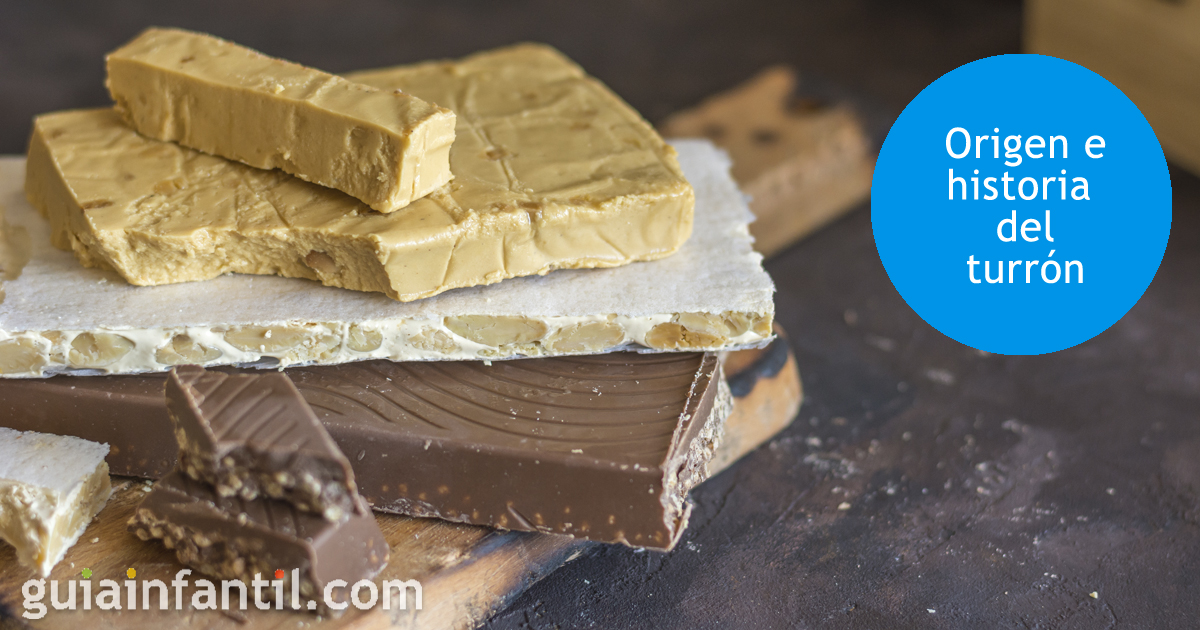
619	437
599	447
235	539
253	433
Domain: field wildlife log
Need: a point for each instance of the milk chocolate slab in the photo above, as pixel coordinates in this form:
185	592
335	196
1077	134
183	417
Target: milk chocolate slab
253	434
603	448
383	147
126	412
232	538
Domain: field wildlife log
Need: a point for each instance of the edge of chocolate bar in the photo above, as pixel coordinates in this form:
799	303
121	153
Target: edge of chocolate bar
235	539
126	411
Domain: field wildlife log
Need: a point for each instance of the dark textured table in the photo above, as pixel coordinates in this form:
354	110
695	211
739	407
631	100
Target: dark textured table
925	485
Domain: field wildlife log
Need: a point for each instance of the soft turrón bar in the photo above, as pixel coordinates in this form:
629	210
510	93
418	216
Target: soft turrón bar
253	434
568	178
383	147
234	539
620	435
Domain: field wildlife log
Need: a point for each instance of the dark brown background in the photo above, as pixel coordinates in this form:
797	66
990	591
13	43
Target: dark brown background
982	491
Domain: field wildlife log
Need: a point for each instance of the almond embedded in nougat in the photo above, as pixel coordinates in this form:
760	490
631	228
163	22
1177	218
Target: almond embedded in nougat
384	147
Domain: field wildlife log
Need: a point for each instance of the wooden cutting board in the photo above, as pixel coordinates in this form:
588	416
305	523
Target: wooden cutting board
1147	49
803	162
467	573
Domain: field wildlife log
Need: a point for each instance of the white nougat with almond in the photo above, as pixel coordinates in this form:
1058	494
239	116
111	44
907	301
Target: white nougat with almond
51	487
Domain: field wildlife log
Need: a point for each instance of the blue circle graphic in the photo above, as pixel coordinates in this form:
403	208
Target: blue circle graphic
1021	204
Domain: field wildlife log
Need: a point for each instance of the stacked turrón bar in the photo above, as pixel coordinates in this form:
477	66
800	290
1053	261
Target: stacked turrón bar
491	282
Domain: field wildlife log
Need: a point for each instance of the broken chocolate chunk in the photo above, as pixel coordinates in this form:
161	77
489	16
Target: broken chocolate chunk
253	434
236	539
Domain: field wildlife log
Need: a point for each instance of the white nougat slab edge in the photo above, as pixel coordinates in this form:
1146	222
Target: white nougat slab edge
51	487
54	299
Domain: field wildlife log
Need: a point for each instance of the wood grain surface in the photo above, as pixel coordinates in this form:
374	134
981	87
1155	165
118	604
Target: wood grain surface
803	162
1150	49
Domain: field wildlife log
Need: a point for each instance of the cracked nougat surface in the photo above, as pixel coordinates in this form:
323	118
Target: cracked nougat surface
383	147
551	171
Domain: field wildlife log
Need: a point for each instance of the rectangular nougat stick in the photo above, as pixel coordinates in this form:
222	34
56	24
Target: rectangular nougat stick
384	147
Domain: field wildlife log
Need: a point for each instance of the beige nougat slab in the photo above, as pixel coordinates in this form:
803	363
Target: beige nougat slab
571	178
384	147
57	316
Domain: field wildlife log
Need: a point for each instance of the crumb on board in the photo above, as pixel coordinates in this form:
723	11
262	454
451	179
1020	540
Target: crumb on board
938	375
